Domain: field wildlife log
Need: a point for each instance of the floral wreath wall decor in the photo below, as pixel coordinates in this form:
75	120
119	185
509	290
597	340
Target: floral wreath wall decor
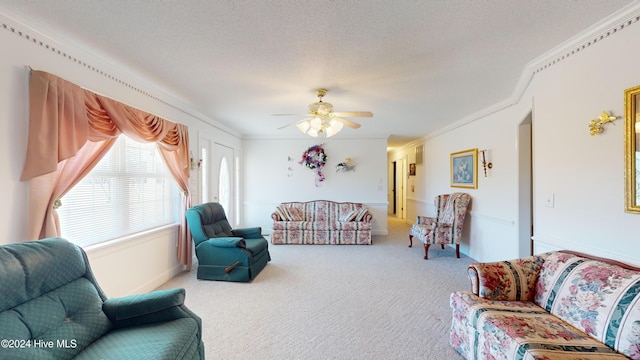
315	158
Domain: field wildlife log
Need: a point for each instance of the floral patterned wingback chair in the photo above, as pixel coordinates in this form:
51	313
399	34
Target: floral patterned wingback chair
446	227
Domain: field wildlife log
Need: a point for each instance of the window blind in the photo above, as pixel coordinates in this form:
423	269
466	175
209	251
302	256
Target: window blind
129	191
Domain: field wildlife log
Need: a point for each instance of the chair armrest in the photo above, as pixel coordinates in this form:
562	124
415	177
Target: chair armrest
512	280
153	307
425	220
227	242
248	233
276	217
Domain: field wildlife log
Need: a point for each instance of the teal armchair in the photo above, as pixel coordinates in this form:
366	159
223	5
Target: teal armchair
224	253
51	307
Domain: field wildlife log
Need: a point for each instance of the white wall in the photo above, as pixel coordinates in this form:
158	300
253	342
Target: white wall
584	173
490	226
142	263
268	182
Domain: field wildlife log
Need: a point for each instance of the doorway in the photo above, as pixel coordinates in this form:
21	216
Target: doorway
394	187
217	176
399	169
525	186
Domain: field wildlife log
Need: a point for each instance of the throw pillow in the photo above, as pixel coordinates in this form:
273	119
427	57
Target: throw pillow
282	213
296	214
350	216
362	212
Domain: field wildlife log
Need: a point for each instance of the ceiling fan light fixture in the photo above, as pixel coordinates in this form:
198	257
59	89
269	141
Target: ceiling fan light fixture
316	123
334	127
303	126
322	120
320	109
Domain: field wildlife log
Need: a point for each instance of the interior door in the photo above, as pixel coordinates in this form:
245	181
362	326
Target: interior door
218	176
401	183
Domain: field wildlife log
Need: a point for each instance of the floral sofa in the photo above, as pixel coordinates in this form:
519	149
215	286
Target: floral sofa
557	305
321	222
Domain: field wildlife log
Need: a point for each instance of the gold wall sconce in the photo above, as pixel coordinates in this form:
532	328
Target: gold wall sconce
193	163
596	125
485	165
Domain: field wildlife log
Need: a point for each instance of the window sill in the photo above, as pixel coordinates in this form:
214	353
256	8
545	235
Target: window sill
130	240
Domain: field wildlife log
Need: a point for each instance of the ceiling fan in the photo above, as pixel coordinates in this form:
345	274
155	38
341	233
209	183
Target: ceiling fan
323	120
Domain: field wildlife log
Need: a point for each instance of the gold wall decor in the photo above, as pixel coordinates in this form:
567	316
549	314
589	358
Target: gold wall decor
485	165
464	169
596	125
632	150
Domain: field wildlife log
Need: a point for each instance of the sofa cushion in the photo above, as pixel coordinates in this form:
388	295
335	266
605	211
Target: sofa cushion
301	225
494	329
177	339
600	298
353	225
509	335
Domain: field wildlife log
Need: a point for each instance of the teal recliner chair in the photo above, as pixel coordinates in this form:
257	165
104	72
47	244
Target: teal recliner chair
51	307
224	253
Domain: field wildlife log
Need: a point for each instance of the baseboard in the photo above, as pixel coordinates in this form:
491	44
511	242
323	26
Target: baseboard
158	280
553	243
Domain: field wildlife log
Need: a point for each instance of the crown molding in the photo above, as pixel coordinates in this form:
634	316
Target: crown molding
80	56
600	31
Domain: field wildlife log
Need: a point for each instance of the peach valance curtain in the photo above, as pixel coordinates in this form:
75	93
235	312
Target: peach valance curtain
70	130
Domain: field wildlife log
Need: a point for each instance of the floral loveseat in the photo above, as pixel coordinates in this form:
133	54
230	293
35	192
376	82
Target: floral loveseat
558	305
321	222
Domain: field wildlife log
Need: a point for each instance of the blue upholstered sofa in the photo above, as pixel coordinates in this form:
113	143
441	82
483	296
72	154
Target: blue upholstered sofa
51	307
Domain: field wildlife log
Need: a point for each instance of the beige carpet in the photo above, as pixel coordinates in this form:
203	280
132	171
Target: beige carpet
381	301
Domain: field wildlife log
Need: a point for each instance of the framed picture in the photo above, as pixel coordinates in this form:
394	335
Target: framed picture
412	169
464	169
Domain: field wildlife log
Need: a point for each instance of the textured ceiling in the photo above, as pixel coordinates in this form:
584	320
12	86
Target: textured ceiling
417	65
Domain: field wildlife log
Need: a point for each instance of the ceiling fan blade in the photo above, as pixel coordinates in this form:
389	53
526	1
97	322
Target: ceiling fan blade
287	125
353	113
292	123
349	123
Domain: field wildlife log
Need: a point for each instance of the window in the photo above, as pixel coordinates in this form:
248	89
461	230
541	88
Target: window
129	191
